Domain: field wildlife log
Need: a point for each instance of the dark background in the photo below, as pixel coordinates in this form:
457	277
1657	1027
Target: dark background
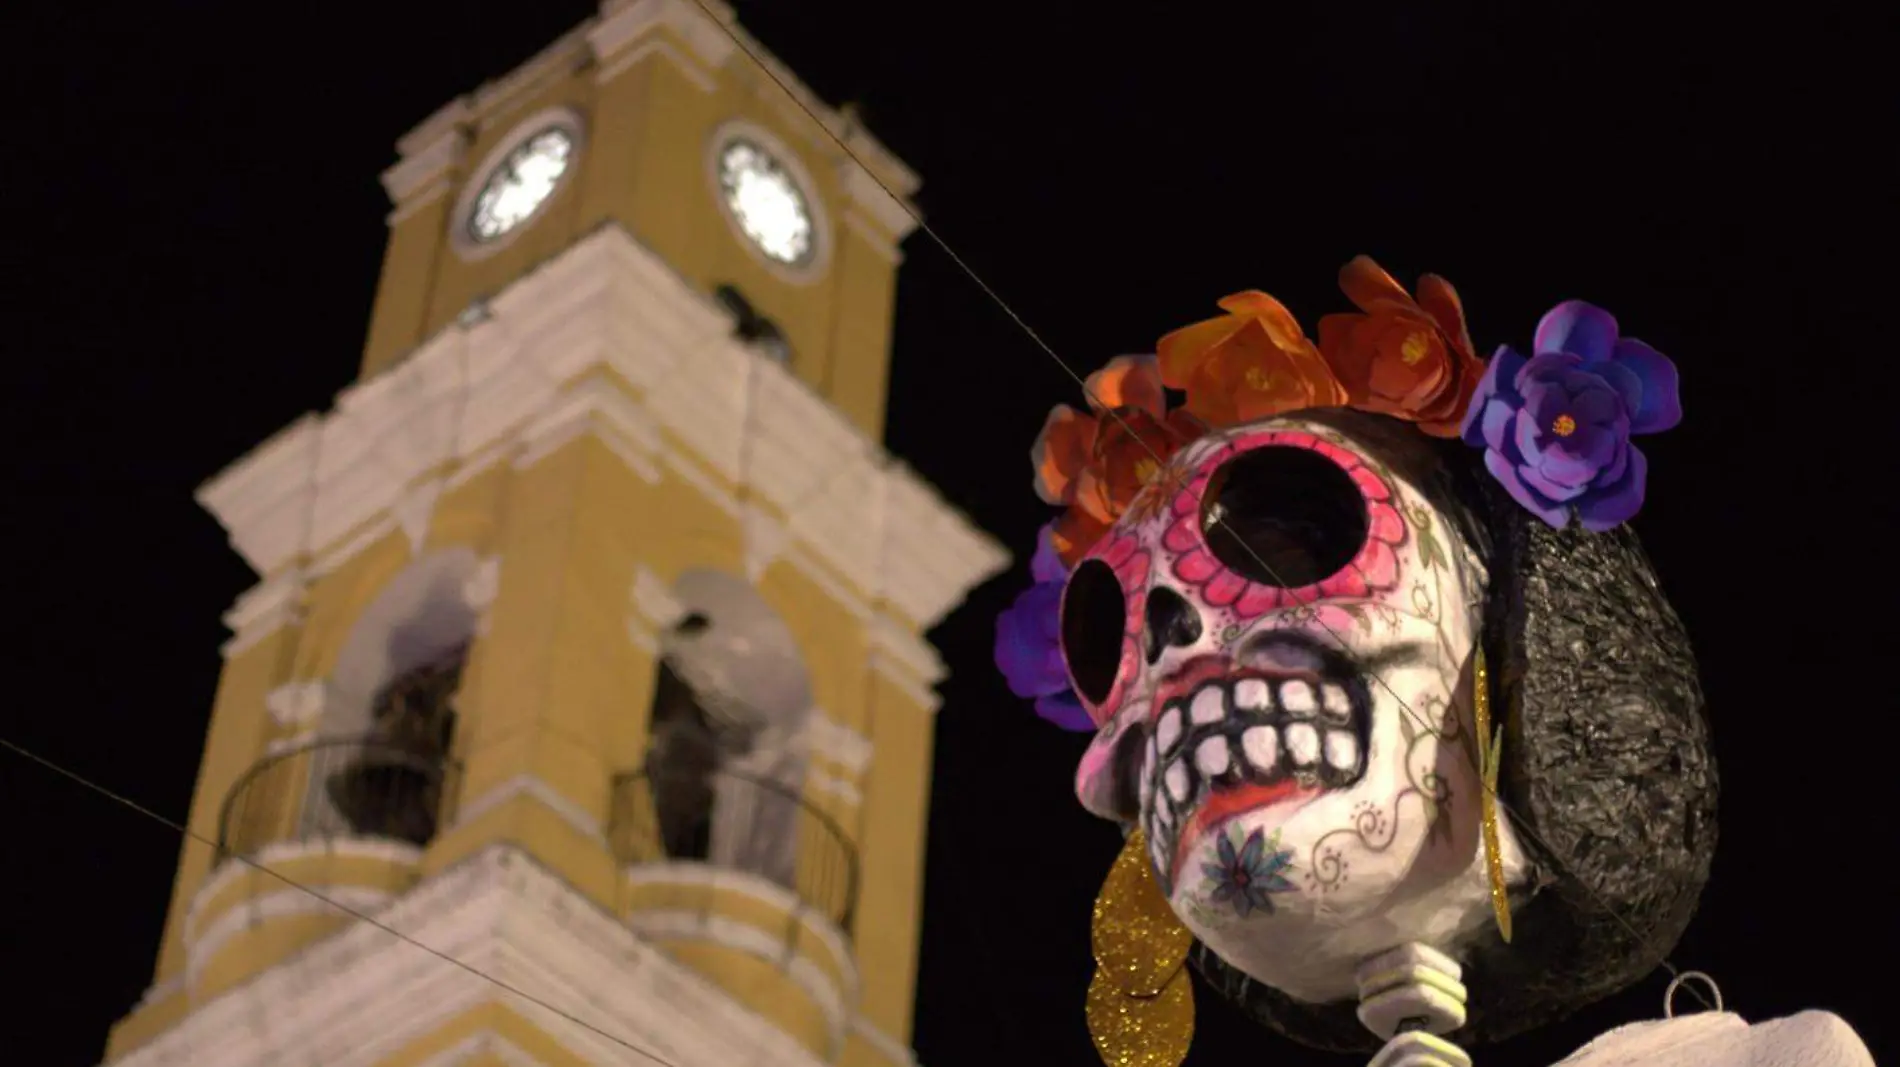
196	229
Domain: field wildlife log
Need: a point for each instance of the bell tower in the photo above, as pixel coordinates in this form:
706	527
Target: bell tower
587	643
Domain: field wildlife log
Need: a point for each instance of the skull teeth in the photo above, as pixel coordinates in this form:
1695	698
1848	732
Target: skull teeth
1302	743
1342	750
1248	730
1211	758
1168	730
1297	697
1337	706
1253	694
1262	746
1209	706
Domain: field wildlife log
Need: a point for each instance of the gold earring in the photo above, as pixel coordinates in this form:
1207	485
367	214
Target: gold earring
1489	747
1141	1001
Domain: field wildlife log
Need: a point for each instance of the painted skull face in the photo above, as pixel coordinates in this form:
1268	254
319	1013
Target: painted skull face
1275	641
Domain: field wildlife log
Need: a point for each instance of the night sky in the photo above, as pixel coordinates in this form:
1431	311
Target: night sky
202	233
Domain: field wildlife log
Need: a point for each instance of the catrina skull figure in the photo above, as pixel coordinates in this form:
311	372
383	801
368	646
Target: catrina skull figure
1379	681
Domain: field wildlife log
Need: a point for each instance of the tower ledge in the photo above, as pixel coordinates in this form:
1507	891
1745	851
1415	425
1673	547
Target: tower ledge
353	998
605	339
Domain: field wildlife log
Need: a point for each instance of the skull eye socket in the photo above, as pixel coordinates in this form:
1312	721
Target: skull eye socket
1094	613
1283	516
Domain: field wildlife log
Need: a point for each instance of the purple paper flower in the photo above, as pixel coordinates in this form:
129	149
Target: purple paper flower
1029	643
1556	428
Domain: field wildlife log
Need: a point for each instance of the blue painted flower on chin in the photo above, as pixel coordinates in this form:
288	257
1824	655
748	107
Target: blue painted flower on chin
1556	428
1029	642
1245	878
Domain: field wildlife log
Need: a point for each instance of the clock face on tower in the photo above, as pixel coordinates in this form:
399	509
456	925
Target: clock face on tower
518	185
767	203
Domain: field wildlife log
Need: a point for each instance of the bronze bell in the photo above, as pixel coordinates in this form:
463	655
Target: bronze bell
392	785
383	796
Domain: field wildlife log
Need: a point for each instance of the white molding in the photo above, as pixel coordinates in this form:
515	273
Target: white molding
874	239
833	785
361	995
264	609
627	60
165	990
425	174
298	703
595	406
482	585
766	892
340	552
653	599
818	214
838	743
606	333
893	216
623	24
530	786
278	904
446	119
485	1043
892	1049
901	645
278	746
415	510
766	540
661	927
230	870
560	117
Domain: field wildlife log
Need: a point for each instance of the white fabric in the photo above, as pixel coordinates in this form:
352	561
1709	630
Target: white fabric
1723	1039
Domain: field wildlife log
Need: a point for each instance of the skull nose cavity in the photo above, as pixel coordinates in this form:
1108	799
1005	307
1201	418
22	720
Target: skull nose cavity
1171	622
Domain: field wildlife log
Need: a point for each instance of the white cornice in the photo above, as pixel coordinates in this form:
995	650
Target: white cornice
605	339
426	174
895	217
361	995
626	24
262	610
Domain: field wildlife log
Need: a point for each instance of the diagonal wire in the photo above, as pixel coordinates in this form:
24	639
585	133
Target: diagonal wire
354	913
752	53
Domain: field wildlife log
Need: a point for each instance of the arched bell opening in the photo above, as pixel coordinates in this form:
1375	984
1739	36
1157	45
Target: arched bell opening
378	765
391	784
723	852
725	766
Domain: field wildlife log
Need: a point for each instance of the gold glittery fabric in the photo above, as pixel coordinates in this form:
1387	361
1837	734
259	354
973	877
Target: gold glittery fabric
1141	1001
1138	941
1489	747
1142	1031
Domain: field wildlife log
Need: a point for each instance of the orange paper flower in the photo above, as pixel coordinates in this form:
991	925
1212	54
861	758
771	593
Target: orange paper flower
1411	359
1252	363
1097	462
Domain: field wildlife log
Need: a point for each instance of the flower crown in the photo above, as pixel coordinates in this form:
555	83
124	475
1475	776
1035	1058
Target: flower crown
1555	427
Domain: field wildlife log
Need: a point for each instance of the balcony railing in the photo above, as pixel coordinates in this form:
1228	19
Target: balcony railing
729	820
357	787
